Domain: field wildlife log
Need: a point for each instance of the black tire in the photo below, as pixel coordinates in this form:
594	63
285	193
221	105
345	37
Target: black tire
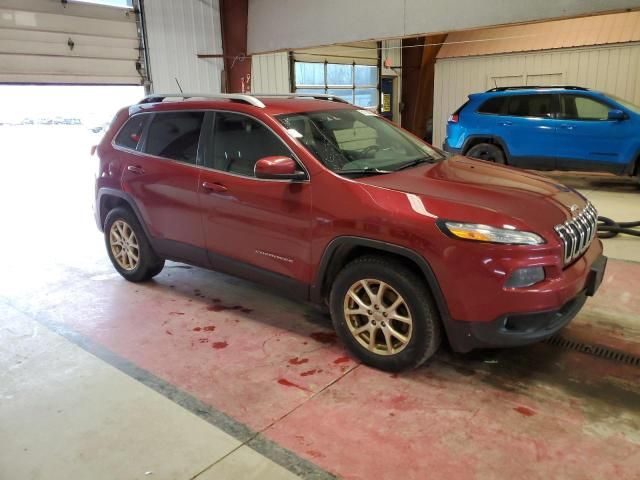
487	151
426	331
149	264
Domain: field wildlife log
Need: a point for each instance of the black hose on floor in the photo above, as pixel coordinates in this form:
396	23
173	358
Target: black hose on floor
608	228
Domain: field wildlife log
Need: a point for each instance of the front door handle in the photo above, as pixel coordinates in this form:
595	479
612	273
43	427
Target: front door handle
214	187
137	169
567	127
505	124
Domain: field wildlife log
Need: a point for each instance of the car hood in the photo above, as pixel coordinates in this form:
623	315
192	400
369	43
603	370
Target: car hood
465	189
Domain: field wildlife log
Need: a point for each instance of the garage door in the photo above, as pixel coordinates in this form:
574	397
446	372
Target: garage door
53	41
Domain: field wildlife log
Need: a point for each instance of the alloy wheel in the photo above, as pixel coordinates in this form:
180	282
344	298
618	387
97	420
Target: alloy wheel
378	317
124	245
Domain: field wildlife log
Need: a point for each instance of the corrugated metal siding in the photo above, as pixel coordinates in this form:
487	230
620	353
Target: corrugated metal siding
270	73
42	41
574	32
362	53
176	33
612	69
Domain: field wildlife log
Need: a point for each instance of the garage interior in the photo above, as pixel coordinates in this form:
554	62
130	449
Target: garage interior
200	375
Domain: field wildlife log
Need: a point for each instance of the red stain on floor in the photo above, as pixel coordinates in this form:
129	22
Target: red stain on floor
217	308
197	329
219	345
341	359
298	361
310	372
203	340
209	328
287	383
314	454
527	412
324	337
168	332
176	313
216	300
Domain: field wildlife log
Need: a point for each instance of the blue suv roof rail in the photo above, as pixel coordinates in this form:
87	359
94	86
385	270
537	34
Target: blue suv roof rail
532	87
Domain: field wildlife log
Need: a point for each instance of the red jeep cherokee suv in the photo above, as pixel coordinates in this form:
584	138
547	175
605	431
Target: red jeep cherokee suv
335	205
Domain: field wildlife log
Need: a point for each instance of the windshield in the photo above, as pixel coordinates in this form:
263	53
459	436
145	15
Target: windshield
631	106
357	141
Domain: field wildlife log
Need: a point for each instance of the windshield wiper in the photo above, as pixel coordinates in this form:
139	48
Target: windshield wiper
365	170
413	163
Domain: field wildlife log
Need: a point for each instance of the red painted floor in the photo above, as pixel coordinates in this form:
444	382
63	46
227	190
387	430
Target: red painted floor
274	365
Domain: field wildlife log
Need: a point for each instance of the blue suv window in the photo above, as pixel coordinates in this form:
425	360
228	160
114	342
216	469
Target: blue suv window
540	105
494	106
576	107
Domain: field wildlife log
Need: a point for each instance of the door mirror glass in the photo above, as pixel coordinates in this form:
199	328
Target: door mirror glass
278	168
616	115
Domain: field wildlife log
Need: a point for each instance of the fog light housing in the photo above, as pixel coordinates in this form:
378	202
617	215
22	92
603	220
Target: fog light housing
525	277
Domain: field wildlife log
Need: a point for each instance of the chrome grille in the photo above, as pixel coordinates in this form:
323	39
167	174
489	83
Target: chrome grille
578	232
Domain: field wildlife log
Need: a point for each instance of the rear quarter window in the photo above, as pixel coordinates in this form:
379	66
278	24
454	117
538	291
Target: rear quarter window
131	133
494	106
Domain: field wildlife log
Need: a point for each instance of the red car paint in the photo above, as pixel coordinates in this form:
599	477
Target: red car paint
286	227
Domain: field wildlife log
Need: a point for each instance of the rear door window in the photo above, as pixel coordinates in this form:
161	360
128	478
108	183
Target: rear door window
131	134
175	135
537	105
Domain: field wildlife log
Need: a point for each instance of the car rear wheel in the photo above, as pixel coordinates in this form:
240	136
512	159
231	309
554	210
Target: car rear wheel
384	314
487	151
128	247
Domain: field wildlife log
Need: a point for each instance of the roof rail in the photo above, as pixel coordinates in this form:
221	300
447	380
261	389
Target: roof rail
535	87
239	97
317	96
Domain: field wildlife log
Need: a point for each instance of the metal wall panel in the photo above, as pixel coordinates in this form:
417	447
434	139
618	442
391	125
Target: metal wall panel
276	25
612	69
176	33
270	73
43	41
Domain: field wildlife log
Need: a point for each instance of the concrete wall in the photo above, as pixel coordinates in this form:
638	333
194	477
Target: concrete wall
286	24
612	69
176	33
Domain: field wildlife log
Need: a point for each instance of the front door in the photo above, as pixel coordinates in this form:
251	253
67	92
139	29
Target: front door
162	178
253	227
589	140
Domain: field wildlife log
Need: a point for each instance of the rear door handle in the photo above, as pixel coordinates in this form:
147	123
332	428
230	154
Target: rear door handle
214	187
137	169
505	124
567	127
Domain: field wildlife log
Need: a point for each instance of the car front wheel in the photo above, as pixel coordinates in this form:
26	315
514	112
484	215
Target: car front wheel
384	314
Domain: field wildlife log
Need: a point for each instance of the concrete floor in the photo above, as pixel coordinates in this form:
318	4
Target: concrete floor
200	375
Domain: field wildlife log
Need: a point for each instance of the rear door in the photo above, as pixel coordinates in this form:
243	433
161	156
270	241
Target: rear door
589	141
162	177
252	222
529	128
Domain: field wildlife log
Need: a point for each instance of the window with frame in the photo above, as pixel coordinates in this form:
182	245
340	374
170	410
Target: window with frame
239	142
131	133
537	105
175	135
575	107
357	84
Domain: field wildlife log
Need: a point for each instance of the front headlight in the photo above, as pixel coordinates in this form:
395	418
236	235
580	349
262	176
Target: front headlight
485	233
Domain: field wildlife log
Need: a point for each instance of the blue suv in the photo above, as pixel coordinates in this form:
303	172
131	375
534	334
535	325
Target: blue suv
548	128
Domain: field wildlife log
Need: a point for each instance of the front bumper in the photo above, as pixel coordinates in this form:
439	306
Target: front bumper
512	330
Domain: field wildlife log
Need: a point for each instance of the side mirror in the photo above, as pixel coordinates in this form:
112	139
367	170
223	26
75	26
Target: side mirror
616	115
278	168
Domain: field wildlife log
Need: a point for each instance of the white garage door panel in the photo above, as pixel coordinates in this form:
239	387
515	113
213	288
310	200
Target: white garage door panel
45	41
